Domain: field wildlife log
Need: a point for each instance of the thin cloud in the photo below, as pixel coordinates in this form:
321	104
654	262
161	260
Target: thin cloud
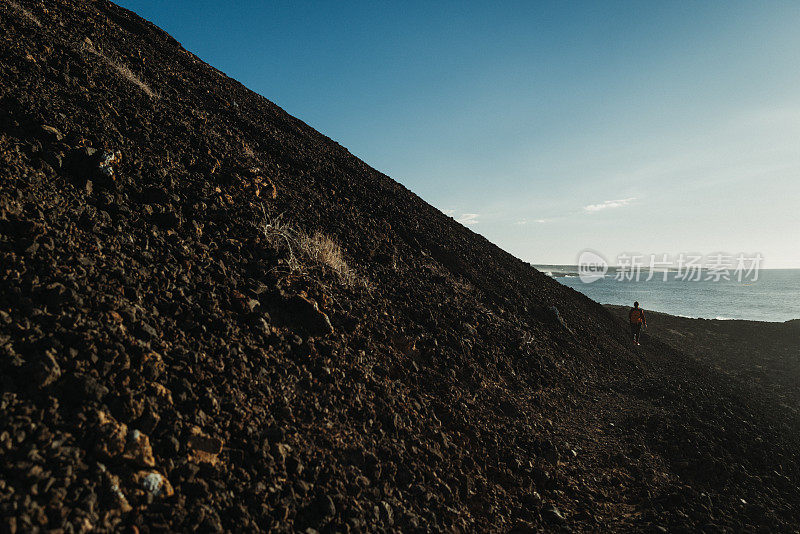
609	204
468	219
523	221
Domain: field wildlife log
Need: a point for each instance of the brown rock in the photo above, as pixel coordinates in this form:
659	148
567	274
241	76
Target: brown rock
138	449
203	448
111	439
310	317
112	487
115	440
46	371
161	392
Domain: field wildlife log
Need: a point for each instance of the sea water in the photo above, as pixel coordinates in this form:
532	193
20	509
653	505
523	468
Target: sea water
773	296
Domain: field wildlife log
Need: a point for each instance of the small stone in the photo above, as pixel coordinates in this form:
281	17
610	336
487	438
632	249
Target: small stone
138	449
111	436
294	466
321	510
149	420
152	365
553	514
203	448
112	488
54	159
386	512
91	388
162	393
281	451
310	316
46	371
145	332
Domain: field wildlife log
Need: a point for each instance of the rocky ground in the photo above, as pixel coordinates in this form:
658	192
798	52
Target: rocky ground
765	355
214	317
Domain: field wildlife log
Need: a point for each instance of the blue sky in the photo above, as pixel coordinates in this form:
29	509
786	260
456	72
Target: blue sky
548	127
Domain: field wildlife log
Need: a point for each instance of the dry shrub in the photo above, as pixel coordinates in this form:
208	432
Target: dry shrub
303	249
283	237
121	69
126	73
325	251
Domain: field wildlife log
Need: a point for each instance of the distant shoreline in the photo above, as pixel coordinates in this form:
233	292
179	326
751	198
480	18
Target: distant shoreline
773	297
566	271
721	319
574	268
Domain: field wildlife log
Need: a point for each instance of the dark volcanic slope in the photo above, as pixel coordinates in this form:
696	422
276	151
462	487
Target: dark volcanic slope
175	356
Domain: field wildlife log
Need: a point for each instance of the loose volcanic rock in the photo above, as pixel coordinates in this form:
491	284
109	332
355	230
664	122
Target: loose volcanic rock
46	370
137	449
203	448
308	316
215	318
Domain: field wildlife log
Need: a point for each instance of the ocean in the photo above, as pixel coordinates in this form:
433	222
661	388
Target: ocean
773	296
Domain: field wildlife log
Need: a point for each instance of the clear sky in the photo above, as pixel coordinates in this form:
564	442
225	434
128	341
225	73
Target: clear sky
548	127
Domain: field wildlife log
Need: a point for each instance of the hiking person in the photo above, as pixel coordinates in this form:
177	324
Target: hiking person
636	317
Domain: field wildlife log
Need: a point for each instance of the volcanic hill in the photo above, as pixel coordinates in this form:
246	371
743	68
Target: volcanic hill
214	317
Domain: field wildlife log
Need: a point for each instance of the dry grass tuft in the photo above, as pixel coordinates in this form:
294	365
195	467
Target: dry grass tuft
123	70
303	250
126	73
325	251
282	236
24	12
